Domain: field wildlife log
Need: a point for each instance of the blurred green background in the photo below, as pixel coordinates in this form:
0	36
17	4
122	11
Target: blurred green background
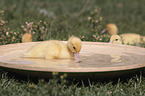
66	18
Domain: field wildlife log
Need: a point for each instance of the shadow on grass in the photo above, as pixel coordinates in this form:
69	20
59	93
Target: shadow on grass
79	79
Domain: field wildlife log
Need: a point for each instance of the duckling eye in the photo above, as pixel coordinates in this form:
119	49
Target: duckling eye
74	47
116	39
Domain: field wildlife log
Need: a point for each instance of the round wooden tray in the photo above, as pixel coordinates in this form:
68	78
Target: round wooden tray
95	58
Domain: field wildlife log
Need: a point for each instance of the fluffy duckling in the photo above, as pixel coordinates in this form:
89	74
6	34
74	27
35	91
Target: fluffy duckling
55	49
111	29
131	38
128	38
27	37
116	39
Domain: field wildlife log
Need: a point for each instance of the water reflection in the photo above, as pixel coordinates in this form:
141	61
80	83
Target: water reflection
116	58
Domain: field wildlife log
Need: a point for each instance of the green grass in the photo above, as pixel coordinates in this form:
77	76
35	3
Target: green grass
66	18
11	87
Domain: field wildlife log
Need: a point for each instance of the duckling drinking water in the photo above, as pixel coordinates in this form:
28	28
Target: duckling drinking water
55	49
116	39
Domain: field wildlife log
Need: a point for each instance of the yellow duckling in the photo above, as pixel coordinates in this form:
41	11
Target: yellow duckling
55	49
27	37
131	38
116	39
128	38
111	29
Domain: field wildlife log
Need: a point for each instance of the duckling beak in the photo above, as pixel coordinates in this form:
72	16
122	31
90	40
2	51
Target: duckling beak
76	56
110	42
103	31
